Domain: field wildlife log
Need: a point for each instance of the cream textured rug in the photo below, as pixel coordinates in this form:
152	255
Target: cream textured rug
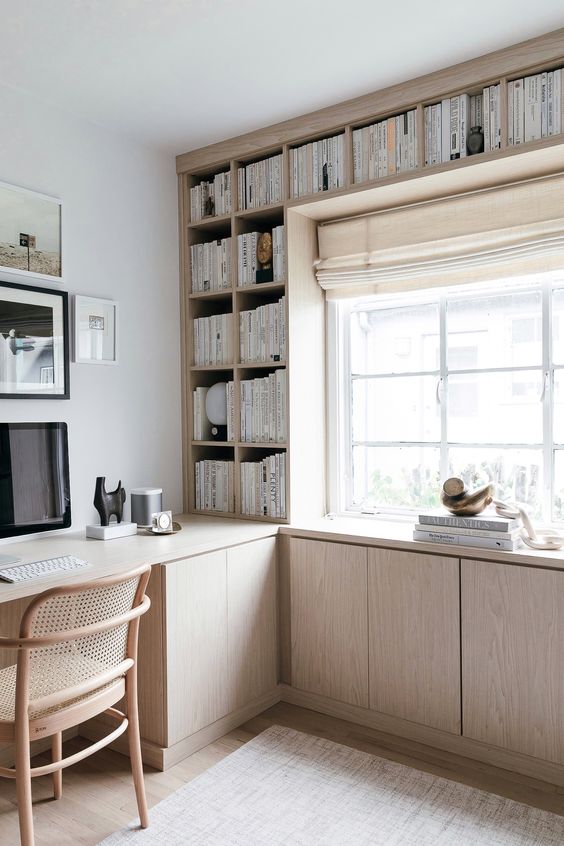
285	787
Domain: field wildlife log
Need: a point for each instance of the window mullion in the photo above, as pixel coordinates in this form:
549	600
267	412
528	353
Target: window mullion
548	400
443	387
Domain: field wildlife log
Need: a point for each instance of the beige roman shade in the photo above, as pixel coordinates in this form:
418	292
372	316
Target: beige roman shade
510	230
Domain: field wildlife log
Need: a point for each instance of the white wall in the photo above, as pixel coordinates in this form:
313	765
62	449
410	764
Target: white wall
120	242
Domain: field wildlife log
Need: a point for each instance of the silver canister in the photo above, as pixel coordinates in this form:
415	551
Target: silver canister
144	503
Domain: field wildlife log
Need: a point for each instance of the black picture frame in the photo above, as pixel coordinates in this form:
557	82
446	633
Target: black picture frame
29	313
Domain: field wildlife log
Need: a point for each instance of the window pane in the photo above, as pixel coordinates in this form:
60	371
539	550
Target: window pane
558	407
395	340
396	477
495	407
558	326
396	408
517	473
494	331
558	499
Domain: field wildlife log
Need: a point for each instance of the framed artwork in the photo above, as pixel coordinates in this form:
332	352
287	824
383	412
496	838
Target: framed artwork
95	330
34	342
30	235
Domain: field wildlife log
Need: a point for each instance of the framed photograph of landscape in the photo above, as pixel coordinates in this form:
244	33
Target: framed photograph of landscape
34	342
30	235
95	330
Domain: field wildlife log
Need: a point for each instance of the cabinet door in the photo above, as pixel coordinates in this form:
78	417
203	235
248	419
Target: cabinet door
512	657
329	620
196	610
414	640
251	621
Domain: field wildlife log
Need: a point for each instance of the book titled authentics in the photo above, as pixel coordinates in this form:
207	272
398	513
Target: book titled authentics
489	522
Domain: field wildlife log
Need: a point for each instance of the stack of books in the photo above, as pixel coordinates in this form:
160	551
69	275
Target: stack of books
448	124
260	183
263	486
214	486
247	262
263	409
535	107
212	340
278	254
317	166
385	148
218	189
262	333
487	531
211	265
202	426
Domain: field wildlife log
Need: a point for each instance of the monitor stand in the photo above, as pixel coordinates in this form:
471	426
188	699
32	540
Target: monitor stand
6	560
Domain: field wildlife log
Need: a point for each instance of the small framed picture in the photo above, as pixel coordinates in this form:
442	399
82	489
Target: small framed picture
30	235
34	342
95	330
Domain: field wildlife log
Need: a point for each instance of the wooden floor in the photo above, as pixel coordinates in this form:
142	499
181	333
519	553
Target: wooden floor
98	793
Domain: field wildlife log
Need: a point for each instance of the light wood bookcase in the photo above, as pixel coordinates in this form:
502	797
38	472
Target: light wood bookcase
305	302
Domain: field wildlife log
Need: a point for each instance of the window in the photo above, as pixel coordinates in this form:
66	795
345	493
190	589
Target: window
463	382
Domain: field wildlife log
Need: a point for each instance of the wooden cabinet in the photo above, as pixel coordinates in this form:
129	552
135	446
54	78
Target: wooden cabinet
251	621
329	620
512	657
414	637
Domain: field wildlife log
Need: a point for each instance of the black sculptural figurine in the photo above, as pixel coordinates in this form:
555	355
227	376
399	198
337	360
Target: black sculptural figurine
107	503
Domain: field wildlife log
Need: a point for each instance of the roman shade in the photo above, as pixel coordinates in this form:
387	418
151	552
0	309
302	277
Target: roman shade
498	232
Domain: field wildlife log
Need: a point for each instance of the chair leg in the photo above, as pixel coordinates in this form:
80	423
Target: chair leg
135	745
23	784
56	755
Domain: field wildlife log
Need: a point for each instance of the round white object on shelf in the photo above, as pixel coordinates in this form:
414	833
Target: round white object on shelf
216	404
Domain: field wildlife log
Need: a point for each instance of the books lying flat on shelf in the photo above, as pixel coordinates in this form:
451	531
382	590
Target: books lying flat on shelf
263	486
317	166
262	333
202	426
263	408
489	522
214	485
487	532
247	262
260	183
218	190
452	539
212	340
385	148
535	107
211	265
448	124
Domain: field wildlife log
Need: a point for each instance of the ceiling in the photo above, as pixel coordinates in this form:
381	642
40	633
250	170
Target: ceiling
179	74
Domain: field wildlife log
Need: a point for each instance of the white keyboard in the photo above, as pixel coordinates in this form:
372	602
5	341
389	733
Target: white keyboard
40	569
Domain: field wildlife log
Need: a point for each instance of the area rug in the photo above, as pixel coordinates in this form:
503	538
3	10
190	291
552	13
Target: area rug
285	787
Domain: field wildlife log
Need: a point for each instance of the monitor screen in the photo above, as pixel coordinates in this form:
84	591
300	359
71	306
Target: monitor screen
34	478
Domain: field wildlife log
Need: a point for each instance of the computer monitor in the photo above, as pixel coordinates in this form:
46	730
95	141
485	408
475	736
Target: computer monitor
34	478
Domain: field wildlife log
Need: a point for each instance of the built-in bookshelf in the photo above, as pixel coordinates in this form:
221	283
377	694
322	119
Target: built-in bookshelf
403	144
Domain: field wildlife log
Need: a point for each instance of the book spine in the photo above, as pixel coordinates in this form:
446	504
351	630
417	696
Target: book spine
445	130
454	128
476	533
466	540
510	115
453	520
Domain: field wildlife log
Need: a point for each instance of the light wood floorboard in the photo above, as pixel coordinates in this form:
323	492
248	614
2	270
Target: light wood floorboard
98	793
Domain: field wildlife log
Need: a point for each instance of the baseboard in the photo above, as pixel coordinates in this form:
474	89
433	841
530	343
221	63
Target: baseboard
96	728
464	746
37	747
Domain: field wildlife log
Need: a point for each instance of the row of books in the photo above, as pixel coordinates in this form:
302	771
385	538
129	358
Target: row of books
211	197
484	531
384	148
202	425
212	340
317	166
247	261
260	183
211	265
262	333
263	408
263	486
448	124
535	107
214	485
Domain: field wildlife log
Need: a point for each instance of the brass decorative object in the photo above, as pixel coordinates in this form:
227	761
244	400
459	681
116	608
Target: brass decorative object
264	258
456	497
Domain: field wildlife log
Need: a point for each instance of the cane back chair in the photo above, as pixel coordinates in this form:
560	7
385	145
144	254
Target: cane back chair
76	658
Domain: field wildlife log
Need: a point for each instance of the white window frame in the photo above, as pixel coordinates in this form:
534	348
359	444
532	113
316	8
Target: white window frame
339	437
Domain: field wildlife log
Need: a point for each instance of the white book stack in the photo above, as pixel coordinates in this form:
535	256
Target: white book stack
202	426
385	148
486	531
317	166
263	409
491	112
447	124
263	487
218	189
212	340
247	258
535	107
278	254
211	265
262	333
260	183
214	485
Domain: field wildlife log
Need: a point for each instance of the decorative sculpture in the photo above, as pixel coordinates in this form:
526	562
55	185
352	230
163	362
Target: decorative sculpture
459	500
107	503
264	258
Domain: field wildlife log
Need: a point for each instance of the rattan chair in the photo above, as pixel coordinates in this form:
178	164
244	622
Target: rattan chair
76	658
